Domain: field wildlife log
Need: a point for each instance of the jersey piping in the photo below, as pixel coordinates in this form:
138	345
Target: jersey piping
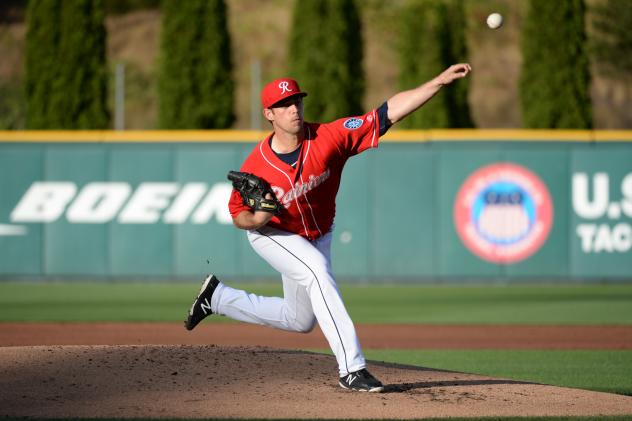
311	210
373	138
290	181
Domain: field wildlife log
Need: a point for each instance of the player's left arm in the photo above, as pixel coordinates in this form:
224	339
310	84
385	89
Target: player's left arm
405	102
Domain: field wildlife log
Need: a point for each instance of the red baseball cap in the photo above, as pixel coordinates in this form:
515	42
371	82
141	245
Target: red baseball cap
278	90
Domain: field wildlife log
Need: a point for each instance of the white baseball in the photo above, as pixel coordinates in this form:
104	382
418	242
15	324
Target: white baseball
495	20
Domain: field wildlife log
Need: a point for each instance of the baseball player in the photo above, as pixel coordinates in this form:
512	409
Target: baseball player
284	198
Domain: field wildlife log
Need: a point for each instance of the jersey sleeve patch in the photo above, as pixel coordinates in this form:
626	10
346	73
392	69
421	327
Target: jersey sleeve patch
353	123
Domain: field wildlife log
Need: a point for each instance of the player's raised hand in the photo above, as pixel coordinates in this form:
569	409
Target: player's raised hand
456	71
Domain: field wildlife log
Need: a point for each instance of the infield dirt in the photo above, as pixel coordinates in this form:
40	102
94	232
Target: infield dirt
373	336
202	381
155	381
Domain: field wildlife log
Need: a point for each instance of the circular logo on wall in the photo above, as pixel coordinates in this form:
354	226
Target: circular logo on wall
503	213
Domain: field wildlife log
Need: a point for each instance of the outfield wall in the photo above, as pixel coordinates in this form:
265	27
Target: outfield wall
429	205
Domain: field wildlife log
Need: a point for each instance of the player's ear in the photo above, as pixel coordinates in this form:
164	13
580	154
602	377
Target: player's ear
268	114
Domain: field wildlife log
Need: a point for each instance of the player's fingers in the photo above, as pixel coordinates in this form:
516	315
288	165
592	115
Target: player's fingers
461	67
458	73
462	70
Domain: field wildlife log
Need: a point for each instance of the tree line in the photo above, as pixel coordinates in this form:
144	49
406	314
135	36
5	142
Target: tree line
66	80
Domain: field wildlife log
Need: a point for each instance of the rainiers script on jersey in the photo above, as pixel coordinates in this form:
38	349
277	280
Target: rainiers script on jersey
308	190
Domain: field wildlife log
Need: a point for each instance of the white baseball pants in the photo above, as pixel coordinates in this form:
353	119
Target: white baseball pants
310	294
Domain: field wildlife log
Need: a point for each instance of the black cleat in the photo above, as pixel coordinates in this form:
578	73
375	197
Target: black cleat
202	305
361	381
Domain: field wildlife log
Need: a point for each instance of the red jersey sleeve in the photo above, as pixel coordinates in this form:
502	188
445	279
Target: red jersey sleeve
236	204
356	134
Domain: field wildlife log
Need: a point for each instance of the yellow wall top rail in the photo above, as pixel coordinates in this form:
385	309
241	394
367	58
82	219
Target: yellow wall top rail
395	136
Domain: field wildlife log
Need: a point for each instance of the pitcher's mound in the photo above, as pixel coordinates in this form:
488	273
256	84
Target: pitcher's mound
222	382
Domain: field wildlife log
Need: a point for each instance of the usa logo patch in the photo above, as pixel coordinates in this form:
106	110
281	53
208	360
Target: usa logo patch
353	123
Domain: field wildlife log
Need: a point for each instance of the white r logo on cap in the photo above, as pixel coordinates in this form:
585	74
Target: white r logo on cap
284	87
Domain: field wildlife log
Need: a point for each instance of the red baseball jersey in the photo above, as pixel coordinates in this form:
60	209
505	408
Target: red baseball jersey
308	190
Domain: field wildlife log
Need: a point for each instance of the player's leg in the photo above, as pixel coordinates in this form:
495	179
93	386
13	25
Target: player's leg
300	260
298	305
359	379
293	312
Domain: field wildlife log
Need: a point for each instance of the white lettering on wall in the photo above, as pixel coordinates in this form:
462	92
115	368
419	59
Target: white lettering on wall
215	203
598	238
101	202
98	202
184	203
147	202
626	190
591	201
583	205
44	201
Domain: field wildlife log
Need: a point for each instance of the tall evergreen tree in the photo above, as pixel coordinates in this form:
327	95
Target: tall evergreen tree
307	56
326	54
83	70
432	38
458	92
196	86
42	55
555	77
66	73
421	51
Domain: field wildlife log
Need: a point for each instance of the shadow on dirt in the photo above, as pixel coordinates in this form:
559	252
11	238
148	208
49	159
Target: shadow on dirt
405	387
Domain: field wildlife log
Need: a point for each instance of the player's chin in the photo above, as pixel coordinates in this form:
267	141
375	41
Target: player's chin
296	126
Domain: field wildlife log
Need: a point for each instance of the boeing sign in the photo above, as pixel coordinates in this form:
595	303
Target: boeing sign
103	202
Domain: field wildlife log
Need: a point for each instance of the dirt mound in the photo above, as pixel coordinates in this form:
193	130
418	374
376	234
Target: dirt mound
210	381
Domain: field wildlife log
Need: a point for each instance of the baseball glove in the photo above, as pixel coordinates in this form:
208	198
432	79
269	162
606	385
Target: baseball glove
253	191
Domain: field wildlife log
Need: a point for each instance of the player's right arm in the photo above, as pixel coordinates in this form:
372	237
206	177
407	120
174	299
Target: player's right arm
405	102
247	220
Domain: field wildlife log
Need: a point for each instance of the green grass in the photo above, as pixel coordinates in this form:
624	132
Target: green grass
605	371
587	304
484	304
95	301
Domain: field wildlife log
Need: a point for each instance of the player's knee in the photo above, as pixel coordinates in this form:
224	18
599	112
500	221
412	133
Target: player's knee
303	323
305	326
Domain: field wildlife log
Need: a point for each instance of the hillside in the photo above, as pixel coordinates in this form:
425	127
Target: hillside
259	31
